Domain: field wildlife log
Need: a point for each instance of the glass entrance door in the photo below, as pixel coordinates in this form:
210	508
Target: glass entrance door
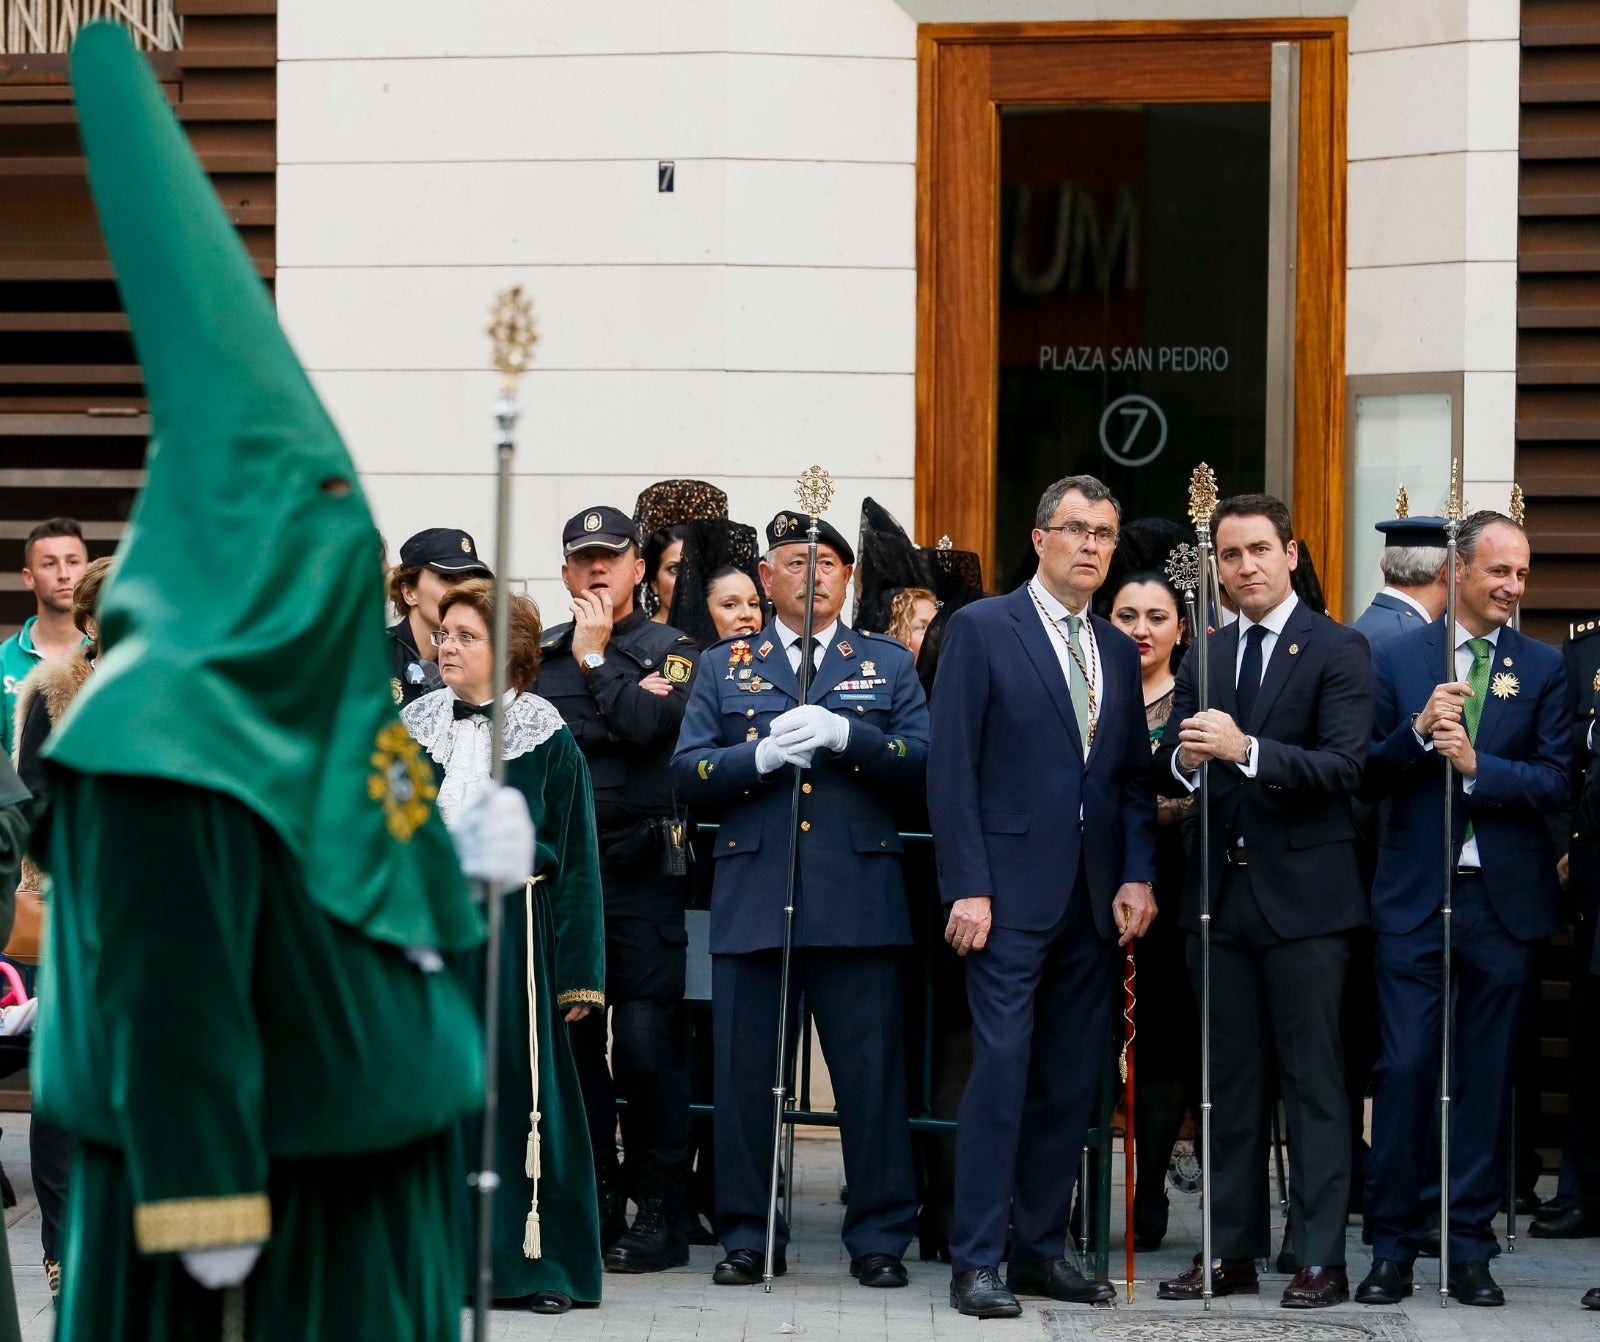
1133	305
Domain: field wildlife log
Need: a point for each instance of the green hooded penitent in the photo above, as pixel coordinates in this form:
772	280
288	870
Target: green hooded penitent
243	631
241	1020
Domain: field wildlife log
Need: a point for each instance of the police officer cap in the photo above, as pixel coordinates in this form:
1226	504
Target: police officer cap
791	528
1413	531
599	529
445	550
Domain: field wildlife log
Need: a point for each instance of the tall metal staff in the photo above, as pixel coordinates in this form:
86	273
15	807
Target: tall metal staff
1453	516
512	331
1125	1062
814	490
1518	512
1191	571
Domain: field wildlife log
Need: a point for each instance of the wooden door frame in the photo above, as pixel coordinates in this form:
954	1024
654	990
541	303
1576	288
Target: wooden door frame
958	238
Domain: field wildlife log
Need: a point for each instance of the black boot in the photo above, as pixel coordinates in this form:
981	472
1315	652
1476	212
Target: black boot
656	1241
613	1222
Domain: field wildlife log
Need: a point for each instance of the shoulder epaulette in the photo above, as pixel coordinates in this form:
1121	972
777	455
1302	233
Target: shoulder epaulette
1583	628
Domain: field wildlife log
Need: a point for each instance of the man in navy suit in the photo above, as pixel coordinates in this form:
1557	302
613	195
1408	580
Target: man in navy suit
1413	576
861	739
1043	827
1494	704
1286	736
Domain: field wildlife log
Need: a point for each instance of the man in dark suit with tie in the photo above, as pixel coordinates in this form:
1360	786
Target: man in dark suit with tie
861	739
1286	736
1413	579
1494	704
1043	825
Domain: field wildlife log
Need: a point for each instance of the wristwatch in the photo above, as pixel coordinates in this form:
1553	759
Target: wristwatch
591	660
1426	736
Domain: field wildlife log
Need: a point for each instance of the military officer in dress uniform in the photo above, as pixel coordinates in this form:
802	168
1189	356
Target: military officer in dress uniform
431	563
591	672
861	740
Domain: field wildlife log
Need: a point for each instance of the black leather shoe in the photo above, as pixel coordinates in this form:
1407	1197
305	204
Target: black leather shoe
656	1240
1229	1276
1471	1284
879	1269
1388	1283
549	1302
742	1267
1316	1287
1571	1221
981	1294
1591	1298
1060	1280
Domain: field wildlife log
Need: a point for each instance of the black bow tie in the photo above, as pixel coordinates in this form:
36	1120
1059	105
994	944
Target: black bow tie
462	709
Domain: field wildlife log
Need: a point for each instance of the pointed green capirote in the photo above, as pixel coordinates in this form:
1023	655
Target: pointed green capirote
242	630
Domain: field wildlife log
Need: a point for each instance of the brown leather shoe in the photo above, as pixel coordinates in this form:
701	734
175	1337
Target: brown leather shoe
1229	1276
1316	1288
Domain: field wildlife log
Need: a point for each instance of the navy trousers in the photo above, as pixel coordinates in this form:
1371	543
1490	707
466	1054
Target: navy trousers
1041	1007
855	996
1494	978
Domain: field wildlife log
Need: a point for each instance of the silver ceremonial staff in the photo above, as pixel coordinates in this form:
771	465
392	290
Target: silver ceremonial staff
1453	515
1192	570
512	332
814	490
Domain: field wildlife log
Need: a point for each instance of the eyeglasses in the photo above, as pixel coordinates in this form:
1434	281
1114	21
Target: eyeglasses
466	642
1077	531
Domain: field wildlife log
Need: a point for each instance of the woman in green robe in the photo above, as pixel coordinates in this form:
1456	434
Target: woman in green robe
546	1230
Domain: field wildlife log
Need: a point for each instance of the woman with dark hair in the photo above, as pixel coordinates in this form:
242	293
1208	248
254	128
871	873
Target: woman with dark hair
547	1231
663	552
1146	607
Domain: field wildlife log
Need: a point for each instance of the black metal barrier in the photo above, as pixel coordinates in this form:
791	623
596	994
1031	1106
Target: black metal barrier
1095	1187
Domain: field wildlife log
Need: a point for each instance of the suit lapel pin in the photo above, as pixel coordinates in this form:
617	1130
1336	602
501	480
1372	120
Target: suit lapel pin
764	649
1504	686
1508	661
1294	650
845	650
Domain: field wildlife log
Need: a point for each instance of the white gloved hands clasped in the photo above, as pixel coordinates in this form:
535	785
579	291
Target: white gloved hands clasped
804	730
494	839
218	1268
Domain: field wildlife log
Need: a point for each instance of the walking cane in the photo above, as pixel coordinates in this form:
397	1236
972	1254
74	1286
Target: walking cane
1453	514
814	490
1518	512
1130	1032
513	336
1195	575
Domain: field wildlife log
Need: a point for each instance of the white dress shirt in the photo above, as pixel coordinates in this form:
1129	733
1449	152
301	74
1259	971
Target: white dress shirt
1469	850
1088	646
1411	601
1272	622
791	644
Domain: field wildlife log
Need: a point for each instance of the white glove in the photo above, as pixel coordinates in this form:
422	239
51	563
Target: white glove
772	755
494	839
810	728
217	1268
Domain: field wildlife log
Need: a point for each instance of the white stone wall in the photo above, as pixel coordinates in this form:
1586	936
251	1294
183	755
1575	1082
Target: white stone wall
759	318
1433	210
762	316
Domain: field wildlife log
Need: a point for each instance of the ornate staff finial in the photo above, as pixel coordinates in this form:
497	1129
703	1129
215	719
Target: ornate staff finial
1402	503
1183	568
945	543
814	490
1519	509
511	329
1202	495
1454	510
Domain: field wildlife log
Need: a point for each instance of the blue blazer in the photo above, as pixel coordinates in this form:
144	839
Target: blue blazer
1007	776
1524	739
1387	617
850	889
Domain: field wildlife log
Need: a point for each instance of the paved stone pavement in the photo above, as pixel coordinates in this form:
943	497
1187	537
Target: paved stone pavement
1542	1279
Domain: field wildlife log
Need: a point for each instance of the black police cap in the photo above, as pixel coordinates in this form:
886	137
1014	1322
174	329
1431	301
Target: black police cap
791	528
599	529
445	550
1413	531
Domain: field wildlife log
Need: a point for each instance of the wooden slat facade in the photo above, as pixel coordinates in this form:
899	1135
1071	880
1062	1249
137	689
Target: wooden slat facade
73	422
1558	310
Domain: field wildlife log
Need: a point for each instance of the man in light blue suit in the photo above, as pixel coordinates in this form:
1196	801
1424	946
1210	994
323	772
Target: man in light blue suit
1413	577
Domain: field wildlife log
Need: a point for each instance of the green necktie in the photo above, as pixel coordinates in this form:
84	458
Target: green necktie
1478	682
1075	681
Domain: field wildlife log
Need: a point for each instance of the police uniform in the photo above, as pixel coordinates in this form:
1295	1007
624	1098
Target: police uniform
450	553
626	734
850	918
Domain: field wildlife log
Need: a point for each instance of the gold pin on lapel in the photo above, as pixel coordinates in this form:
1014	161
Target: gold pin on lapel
1294	649
1508	661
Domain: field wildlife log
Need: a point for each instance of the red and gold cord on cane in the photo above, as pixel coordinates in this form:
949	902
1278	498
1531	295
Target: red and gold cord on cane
1125	1068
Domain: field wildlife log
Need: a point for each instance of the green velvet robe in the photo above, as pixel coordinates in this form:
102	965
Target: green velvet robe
568	949
239	1066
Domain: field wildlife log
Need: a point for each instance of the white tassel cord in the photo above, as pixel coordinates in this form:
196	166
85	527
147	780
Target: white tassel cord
531	1247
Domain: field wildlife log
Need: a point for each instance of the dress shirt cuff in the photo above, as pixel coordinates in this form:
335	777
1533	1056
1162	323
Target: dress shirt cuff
1191	781
1467	784
1426	742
